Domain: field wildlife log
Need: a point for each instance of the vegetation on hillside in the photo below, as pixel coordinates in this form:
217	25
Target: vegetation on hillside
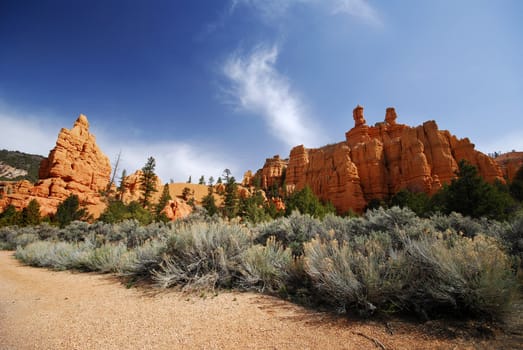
24	161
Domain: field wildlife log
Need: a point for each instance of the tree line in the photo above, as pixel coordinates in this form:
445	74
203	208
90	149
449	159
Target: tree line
468	193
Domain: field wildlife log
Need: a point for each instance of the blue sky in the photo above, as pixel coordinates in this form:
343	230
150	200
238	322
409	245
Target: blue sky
205	85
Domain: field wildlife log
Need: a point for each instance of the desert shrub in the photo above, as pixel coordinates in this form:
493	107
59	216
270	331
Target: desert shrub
267	267
141	261
8	236
362	278
55	255
290	231
457	275
457	223
69	255
387	219
47	231
513	238
428	274
14	236
104	259
204	255
75	231
24	239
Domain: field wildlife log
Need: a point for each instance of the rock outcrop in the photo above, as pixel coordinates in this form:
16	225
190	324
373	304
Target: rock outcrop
76	165
272	172
510	163
375	162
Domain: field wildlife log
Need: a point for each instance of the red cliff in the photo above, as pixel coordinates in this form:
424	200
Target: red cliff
375	162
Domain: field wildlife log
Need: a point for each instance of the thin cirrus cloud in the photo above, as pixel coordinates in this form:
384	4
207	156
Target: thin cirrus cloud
275	9
257	87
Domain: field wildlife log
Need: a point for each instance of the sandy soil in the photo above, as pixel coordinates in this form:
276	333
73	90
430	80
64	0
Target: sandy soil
42	309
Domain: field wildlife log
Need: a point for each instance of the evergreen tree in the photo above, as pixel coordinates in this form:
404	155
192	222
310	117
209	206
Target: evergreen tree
10	216
253	208
117	211
121	187
69	210
162	202
230	200
148	182
31	213
516	187
201	181
470	195
189	180
307	203
211	181
209	203
186	192
418	202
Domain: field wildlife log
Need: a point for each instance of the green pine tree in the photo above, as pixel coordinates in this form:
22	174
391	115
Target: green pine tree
162	202
148	182
31	213
69	210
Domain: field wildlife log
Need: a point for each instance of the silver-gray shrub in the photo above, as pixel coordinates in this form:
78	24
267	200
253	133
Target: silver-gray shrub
364	275
429	273
76	231
267	267
457	275
204	255
290	231
142	261
55	255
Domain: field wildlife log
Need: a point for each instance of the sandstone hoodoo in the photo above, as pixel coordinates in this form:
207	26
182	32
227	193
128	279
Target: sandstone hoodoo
76	165
375	162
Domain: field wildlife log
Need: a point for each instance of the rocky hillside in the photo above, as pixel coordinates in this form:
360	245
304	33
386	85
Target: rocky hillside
16	166
375	162
76	165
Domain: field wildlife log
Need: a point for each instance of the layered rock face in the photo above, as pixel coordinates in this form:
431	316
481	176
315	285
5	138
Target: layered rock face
75	166
510	163
272	172
375	162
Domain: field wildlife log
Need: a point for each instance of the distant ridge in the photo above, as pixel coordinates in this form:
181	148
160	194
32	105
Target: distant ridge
16	166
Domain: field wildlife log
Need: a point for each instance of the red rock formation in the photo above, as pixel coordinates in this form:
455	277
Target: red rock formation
510	163
132	191
177	209
272	172
376	162
75	166
330	173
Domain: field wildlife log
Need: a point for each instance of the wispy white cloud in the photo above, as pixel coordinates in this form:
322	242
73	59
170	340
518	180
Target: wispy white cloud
357	8
275	9
174	160
28	133
259	88
37	134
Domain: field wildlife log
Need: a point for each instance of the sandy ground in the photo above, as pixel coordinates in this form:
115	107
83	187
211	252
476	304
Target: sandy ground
42	309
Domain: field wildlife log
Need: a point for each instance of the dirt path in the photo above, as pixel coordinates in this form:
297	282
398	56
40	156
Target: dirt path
42	309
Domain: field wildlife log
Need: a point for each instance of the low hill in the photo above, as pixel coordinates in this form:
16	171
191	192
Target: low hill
16	166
